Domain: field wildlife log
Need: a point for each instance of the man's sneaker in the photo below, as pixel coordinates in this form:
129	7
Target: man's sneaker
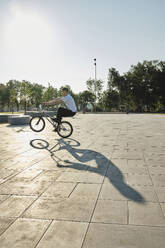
55	130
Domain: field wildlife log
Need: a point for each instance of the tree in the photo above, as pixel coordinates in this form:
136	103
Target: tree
25	93
13	89
86	97
118	83
49	93
110	99
146	84
3	95
113	79
95	87
141	87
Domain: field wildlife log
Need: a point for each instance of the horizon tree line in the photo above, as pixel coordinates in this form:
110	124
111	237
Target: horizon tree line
140	89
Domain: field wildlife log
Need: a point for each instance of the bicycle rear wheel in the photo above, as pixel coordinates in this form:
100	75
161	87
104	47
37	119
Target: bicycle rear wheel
64	129
37	124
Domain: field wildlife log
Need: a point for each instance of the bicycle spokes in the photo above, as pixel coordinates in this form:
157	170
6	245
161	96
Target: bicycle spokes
65	129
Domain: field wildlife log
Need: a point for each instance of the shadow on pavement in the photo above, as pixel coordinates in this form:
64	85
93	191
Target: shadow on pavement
104	166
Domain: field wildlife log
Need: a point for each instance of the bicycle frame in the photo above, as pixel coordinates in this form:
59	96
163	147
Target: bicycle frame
47	116
63	128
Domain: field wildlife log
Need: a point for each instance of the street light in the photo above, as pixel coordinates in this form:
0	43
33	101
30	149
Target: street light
95	68
95	83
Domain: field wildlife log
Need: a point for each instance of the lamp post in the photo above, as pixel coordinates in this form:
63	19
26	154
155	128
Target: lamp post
95	83
95	68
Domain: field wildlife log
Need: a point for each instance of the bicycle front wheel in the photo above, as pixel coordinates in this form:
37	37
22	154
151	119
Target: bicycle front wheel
37	124
64	129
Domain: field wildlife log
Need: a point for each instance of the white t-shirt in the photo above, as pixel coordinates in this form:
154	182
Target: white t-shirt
69	102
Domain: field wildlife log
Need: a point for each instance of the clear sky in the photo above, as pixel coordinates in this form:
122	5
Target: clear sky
55	41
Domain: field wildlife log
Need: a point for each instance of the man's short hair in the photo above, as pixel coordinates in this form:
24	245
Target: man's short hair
65	89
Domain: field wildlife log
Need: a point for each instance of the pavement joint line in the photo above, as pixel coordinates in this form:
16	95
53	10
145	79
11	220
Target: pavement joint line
20	216
65	220
154	188
73	190
79	221
108	199
19	173
78	182
17	153
9	175
82	197
127	214
37	197
5	198
121	224
14	220
94	209
38	175
51	183
43	234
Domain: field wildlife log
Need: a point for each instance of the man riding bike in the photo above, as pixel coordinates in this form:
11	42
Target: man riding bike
69	102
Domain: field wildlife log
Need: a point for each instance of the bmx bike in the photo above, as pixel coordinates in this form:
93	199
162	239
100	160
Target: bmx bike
63	128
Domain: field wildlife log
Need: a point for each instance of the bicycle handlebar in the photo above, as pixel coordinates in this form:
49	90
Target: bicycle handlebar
43	107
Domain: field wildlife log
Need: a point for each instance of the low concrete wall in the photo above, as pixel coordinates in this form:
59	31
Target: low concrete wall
4	118
19	120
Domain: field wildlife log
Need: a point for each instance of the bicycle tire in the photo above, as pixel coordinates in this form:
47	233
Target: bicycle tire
37	119
59	128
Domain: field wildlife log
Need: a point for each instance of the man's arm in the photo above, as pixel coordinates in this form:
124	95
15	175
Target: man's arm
55	101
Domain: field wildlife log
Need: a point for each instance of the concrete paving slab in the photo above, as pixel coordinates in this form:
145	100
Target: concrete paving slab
158	180
115	236
80	177
28	174
116	177
5	173
136	163
48	176
3	198
76	209
15	205
110	192
125	168
149	214
157	170
24	187
108	211
139	180
5	223
24	233
59	189
64	233
86	190
163	207
160	191
119	161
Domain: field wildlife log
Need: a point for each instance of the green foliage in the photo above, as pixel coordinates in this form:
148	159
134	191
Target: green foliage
110	99
86	97
13	89
95	87
3	94
142	88
49	94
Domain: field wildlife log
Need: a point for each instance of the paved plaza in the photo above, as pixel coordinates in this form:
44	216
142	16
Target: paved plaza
104	187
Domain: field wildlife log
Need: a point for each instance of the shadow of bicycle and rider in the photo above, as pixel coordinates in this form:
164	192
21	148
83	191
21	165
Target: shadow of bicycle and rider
104	166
